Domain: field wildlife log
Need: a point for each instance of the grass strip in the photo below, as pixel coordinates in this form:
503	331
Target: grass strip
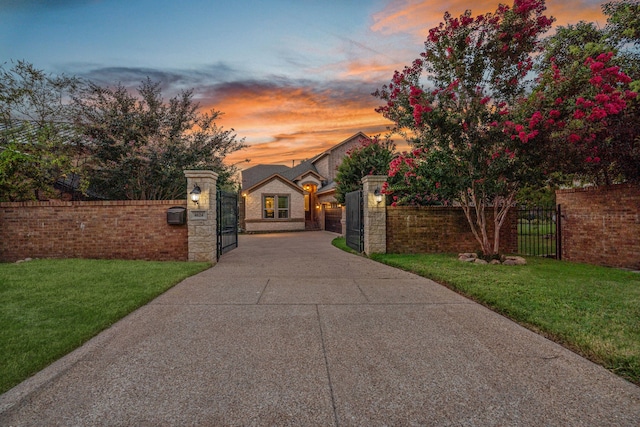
592	310
50	307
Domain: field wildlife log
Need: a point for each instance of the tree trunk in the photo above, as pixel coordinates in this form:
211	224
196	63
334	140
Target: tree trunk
478	226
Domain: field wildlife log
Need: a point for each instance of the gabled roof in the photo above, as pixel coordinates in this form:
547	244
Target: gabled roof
271	178
295	173
328	152
258	173
327	188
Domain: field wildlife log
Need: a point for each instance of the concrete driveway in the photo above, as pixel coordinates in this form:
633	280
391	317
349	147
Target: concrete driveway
288	330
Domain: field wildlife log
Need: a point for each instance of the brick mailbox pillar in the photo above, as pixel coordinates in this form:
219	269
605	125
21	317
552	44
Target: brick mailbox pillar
375	215
201	216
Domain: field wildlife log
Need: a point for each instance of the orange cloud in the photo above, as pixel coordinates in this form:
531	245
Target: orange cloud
417	17
285	124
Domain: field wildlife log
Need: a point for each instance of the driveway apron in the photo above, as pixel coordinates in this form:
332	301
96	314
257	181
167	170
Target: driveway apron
288	330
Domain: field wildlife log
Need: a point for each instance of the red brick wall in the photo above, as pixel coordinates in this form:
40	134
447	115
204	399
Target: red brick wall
437	229
109	230
601	225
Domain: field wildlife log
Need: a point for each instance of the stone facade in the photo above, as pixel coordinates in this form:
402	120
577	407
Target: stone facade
202	216
601	225
254	222
130	229
375	227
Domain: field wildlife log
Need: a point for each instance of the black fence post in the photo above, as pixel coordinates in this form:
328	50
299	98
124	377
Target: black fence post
559	232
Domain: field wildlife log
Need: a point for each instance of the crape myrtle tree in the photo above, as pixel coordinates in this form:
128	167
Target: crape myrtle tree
584	109
37	142
140	145
453	104
371	157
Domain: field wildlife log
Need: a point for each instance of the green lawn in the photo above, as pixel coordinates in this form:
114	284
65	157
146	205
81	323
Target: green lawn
592	310
50	307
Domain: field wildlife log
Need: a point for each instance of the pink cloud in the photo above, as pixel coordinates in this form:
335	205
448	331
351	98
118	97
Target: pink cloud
417	17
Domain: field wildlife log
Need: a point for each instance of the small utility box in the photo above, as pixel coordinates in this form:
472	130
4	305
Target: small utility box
177	216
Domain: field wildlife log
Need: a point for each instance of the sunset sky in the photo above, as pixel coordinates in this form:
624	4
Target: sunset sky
293	77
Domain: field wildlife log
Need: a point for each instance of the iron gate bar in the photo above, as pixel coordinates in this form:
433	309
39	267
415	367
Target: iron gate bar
538	231
355	221
227	222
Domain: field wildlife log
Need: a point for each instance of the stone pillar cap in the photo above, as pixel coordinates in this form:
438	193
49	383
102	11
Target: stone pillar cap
200	174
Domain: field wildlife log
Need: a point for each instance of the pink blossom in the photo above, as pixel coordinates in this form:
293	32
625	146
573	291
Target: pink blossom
605	57
596	80
574	138
523	137
596	66
597	114
578	114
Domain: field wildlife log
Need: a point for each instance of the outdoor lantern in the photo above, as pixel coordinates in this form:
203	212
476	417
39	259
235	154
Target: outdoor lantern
195	194
378	195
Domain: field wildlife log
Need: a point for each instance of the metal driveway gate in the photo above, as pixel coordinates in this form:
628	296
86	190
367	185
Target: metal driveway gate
333	220
355	221
227	222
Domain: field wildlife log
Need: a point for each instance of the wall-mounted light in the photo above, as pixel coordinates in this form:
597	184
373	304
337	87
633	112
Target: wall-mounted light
195	194
378	195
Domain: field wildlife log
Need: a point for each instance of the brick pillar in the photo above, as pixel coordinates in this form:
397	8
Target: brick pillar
375	215
201	216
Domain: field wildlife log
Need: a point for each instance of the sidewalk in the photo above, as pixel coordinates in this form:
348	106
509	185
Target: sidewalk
288	330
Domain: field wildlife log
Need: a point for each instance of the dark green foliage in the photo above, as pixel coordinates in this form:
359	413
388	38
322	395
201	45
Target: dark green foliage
371	158
568	76
140	145
37	142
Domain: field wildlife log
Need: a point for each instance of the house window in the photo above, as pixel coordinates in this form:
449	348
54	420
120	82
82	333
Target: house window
275	206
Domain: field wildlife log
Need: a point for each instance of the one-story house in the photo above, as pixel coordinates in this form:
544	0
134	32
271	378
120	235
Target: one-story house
302	197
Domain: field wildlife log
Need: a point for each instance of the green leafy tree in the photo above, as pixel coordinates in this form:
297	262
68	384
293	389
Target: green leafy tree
453	105
37	144
584	108
140	145
372	157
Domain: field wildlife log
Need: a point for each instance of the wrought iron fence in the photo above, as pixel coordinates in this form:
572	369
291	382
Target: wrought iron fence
539	231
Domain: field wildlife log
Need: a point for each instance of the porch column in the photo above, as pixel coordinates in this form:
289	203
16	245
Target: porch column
201	216
375	215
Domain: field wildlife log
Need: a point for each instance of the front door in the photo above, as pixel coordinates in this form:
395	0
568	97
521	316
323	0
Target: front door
311	207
